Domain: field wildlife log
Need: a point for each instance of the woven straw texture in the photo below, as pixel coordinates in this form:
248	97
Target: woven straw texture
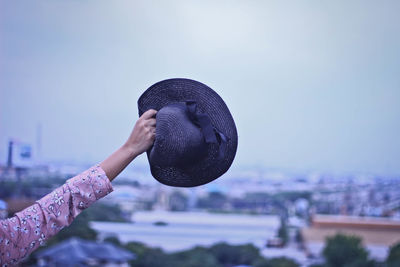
208	101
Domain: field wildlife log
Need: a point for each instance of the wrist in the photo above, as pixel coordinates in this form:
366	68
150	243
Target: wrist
130	150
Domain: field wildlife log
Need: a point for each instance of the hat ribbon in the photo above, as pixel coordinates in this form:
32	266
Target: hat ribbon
211	134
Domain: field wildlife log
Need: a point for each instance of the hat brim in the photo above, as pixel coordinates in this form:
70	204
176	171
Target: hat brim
208	101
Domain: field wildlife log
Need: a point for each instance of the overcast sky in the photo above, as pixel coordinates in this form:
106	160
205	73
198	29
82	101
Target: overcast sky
312	85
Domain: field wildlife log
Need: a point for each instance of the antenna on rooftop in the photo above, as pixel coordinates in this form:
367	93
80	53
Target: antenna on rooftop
39	142
10	152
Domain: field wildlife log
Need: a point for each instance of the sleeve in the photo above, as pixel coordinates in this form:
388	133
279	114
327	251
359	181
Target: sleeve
29	228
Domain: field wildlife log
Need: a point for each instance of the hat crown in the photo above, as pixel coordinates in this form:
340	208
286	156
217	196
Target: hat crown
178	142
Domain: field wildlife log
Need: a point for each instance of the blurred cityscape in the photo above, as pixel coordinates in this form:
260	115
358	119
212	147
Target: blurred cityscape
283	218
312	86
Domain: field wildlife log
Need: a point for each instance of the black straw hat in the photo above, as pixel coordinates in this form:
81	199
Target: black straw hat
196	137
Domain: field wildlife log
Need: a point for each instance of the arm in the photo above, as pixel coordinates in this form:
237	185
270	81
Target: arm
23	233
141	138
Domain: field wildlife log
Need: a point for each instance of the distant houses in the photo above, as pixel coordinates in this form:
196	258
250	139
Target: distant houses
79	252
377	234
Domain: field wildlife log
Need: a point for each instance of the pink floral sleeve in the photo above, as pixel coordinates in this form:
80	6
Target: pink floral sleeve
23	233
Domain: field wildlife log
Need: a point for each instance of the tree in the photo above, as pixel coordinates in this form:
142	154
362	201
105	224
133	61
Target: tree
155	257
196	257
218	255
214	201
114	240
234	255
146	256
283	232
393	258
104	212
275	262
346	251
299	236
136	247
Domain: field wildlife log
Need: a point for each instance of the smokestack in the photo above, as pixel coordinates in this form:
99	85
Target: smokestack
9	158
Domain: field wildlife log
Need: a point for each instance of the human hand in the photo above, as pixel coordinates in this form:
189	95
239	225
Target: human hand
143	133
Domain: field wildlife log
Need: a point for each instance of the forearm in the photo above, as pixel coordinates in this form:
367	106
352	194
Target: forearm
140	140
23	233
117	161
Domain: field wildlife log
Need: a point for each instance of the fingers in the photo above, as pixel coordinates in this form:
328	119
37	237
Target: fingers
148	119
148	114
151	122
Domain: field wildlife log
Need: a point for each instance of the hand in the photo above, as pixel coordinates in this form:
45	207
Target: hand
143	134
141	139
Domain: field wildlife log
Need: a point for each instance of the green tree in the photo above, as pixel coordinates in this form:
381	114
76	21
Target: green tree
218	255
147	257
346	251
235	255
283	232
114	240
196	257
214	201
299	236
104	212
136	247
393	258
275	262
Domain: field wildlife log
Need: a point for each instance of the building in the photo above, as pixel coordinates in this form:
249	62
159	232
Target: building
3	209
377	234
79	252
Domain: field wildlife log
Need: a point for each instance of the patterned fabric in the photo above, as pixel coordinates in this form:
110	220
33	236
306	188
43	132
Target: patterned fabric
30	228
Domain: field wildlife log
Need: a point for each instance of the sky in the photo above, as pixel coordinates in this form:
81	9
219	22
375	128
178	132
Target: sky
312	85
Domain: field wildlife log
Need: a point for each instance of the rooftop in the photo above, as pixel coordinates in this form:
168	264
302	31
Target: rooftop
75	251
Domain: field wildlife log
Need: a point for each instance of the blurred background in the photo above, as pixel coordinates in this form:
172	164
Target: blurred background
313	87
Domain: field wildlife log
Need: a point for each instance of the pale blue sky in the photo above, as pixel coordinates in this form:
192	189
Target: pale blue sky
312	85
